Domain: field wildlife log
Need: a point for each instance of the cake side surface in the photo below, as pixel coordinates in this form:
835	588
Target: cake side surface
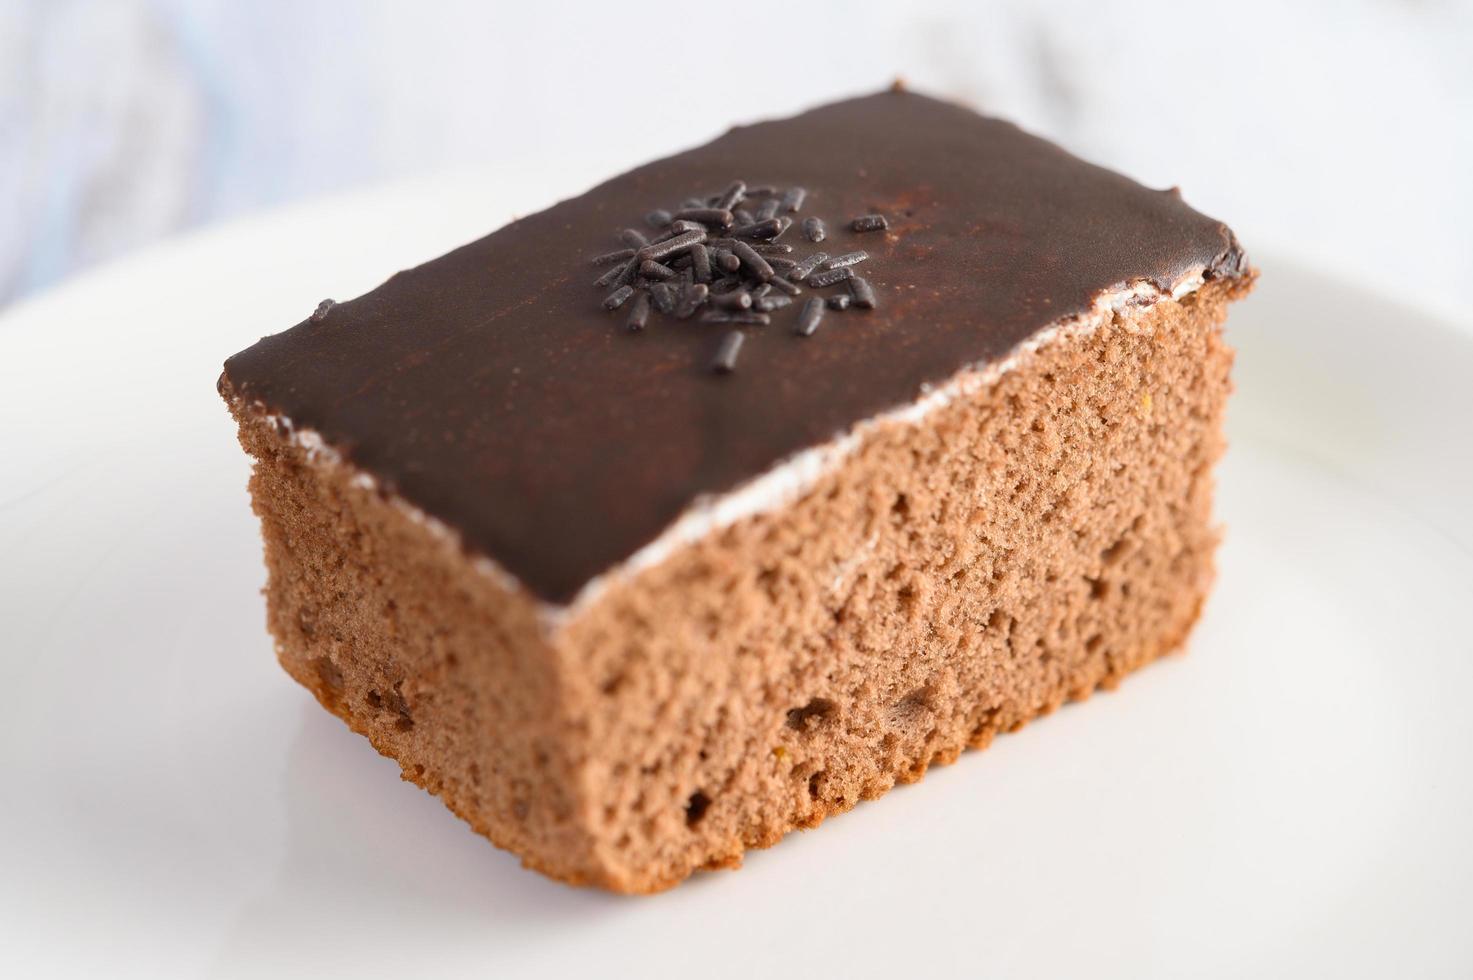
396	631
1020	547
490	390
954	575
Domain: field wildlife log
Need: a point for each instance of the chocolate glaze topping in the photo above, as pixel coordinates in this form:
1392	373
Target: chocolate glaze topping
490	389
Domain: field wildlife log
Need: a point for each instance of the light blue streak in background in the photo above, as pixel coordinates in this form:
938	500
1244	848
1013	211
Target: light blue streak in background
1339	132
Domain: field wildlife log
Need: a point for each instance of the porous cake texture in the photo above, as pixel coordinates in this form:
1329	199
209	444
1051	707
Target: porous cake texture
1030	522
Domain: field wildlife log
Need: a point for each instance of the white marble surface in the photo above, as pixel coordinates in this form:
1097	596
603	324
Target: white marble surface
1339	133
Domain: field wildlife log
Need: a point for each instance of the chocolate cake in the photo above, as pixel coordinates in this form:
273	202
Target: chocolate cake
702	506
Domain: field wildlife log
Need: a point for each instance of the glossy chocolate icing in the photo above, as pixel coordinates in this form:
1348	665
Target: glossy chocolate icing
490	389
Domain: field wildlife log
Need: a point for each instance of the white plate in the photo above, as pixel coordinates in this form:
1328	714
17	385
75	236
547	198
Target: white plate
1293	797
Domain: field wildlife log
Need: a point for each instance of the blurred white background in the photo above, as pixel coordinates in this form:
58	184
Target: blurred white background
1337	132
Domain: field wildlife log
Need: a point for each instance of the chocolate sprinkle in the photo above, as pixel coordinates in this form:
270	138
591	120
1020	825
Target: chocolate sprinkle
693	297
821	279
672	245
320	314
617	298
651	269
618	256
726	355
811	316
840	301
732	196
847	259
806	267
727	261
814	229
767	304
736	316
663	297
869	222
720	217
793	198
657	218
752	261
786	286
761	248
743	217
639	313
700	263
633	238
607	279
627	274
864	293
737	300
680	226
768	209
763	228
725	285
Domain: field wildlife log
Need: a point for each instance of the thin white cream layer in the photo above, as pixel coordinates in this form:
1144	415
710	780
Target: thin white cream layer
785	481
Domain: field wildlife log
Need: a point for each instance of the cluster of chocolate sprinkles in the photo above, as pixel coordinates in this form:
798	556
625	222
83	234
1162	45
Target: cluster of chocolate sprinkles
720	255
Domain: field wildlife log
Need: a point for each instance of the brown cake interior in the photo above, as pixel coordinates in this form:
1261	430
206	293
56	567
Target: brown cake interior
952	578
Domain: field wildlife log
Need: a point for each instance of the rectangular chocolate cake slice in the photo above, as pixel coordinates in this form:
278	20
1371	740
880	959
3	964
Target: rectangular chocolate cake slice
700	507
